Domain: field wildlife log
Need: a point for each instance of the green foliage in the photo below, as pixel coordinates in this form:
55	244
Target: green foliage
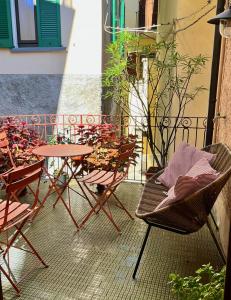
207	284
169	77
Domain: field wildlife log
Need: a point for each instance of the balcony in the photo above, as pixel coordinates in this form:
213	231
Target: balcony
97	262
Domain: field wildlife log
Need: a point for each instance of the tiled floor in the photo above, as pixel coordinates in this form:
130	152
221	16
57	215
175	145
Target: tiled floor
97	263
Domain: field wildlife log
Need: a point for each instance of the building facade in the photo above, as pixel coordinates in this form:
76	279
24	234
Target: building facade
51	56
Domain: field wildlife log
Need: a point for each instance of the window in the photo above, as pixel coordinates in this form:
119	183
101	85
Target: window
145	14
37	22
26	22
6	40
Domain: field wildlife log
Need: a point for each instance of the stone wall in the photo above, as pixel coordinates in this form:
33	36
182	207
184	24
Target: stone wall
48	94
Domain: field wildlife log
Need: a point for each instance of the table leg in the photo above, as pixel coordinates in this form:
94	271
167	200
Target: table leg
100	202
54	185
71	177
1	293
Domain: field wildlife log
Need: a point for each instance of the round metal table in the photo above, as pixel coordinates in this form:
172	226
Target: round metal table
64	151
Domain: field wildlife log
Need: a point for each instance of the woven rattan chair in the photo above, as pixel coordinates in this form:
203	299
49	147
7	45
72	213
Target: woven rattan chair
187	215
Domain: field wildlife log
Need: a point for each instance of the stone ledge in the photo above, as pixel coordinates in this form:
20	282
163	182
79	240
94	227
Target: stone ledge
37	49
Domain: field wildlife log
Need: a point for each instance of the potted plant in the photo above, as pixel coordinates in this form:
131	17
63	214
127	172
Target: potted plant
61	178
168	80
22	140
207	284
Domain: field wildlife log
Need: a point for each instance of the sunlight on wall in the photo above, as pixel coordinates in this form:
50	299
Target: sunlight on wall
85	44
82	36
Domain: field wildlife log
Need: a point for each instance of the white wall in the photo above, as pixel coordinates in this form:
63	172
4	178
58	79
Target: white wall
85	45
31	63
131	13
81	31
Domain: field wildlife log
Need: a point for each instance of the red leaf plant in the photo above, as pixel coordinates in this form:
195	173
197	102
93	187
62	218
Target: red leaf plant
22	140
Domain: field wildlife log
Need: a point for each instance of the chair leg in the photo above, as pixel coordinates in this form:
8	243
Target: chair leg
32	248
123	207
141	251
214	221
216	243
10	280
13	238
100	203
19	231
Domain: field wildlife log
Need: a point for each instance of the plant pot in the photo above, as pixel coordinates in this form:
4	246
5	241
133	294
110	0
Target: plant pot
151	171
100	188
62	180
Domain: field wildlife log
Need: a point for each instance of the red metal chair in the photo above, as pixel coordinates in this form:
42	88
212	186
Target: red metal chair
14	214
127	146
110	180
4	148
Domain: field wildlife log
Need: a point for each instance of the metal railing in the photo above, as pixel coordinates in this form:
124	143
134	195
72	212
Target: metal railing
189	129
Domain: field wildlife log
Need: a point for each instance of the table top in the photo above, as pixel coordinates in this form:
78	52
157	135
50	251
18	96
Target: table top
62	150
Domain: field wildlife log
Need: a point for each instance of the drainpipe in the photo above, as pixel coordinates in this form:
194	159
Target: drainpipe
114	23
122	13
122	22
214	76
218	104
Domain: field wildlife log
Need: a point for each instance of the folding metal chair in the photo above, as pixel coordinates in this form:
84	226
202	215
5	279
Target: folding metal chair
4	148
127	146
14	214
110	180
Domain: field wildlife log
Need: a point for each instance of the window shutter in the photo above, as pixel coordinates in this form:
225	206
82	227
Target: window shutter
48	23
6	39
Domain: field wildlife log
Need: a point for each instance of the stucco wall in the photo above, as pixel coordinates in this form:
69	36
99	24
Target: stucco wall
190	40
131	13
223	129
195	40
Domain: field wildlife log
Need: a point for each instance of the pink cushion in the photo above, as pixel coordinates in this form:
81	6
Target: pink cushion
200	175
182	161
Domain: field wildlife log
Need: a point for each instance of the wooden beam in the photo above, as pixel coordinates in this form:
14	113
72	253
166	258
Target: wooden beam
148	13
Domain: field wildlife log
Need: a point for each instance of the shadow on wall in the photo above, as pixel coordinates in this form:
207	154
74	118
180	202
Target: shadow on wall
31	82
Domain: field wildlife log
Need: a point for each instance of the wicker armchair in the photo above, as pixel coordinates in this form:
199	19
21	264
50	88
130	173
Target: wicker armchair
187	215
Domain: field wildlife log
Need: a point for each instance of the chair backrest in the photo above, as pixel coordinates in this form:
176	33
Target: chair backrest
121	168
16	181
127	146
4	146
20	178
192	212
124	160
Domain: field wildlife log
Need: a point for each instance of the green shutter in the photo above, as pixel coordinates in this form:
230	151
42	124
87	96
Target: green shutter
48	23
6	39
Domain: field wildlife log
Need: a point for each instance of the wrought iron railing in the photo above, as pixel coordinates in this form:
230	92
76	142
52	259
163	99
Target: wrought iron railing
189	129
